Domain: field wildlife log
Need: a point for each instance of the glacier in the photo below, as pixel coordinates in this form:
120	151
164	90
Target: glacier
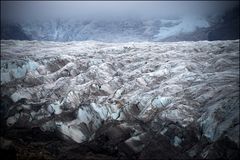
183	95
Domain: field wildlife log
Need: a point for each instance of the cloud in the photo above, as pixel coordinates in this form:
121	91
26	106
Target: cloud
29	10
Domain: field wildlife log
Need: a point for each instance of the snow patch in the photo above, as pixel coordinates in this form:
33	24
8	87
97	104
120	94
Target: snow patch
186	25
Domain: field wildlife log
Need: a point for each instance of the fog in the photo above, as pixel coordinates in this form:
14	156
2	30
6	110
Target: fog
32	10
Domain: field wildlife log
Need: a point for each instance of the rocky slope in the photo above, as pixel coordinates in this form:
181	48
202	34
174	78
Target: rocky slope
188	28
120	100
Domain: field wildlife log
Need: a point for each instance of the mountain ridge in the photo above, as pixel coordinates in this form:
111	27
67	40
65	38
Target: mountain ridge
125	30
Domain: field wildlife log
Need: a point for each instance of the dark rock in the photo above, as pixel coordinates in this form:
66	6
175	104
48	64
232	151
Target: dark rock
228	29
222	148
13	31
159	147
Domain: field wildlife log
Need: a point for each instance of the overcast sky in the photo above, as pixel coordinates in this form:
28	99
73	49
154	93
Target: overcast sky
27	10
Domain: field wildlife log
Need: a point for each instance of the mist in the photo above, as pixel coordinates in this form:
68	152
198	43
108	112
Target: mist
45	10
117	20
